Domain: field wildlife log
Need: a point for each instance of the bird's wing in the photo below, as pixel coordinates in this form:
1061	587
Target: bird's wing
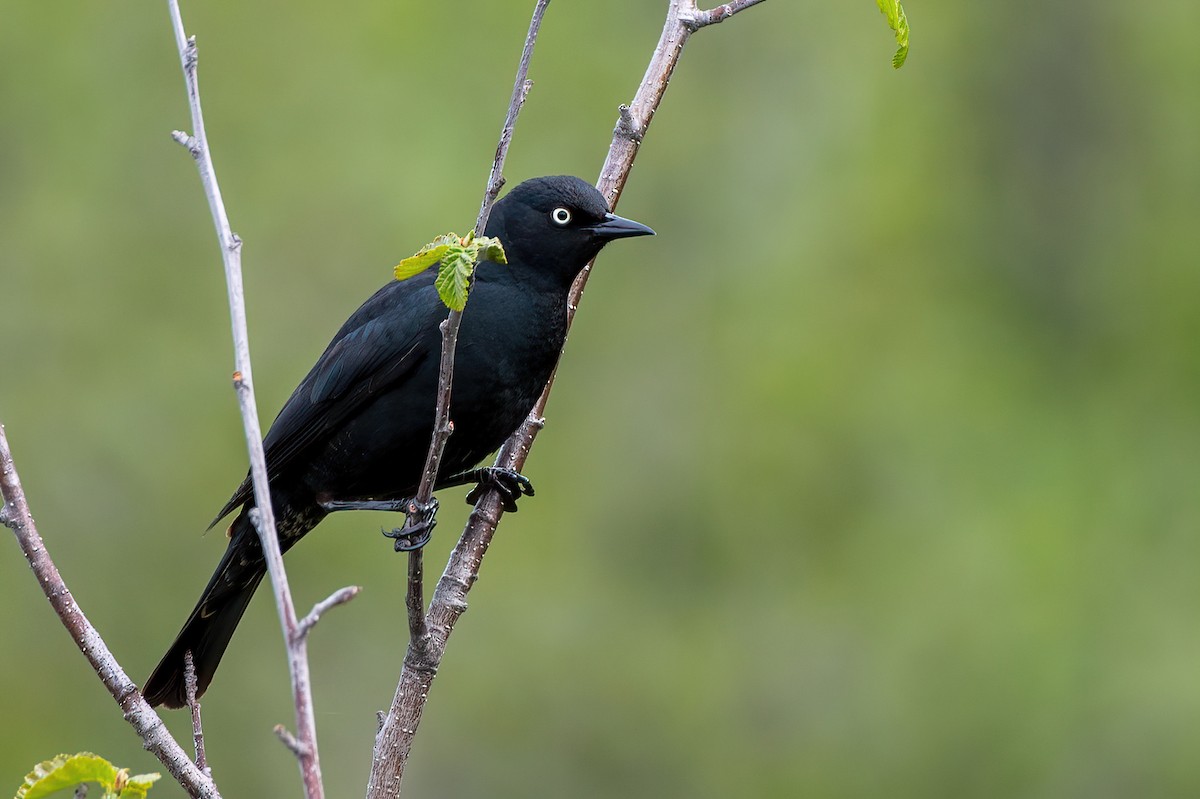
379	346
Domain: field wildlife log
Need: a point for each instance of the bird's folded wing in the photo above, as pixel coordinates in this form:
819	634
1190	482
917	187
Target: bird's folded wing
376	349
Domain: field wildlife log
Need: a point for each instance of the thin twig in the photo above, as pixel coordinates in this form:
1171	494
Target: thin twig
387	767
290	741
263	515
394	741
189	684
443	426
339	597
154	734
414	599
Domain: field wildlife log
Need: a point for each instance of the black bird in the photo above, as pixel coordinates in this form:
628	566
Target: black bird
355	432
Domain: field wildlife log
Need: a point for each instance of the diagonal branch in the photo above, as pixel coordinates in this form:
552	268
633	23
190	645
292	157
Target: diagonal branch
394	741
14	513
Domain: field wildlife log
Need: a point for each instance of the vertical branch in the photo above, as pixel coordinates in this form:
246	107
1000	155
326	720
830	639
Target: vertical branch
388	761
189	681
443	426
14	513
263	515
394	741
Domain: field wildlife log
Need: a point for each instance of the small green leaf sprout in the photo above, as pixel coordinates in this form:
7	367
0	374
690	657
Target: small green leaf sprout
898	22
456	258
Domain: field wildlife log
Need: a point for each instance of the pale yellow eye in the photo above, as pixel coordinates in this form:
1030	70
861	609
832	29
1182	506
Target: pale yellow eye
561	216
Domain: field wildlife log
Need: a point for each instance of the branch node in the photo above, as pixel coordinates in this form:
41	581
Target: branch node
627	126
694	19
340	597
294	746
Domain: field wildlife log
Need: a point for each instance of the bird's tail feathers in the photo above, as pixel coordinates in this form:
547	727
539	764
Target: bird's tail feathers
210	626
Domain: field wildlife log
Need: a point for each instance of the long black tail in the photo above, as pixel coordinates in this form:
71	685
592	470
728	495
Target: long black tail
208	630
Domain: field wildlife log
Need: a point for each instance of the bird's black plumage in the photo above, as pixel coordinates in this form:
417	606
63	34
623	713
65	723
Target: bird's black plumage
357	427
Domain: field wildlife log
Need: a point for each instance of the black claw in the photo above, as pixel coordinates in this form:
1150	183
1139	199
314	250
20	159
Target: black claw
509	485
419	521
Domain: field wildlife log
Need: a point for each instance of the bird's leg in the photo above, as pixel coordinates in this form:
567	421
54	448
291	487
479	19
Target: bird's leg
419	520
509	484
389	505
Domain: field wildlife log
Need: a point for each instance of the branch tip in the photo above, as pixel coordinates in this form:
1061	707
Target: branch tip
290	741
339	597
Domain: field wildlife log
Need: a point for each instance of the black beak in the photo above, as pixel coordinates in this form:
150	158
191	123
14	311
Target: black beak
618	227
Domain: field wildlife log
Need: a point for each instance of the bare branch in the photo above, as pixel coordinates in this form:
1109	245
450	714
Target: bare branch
387	766
443	426
189	682
339	597
141	716
296	747
263	514
696	19
414	599
394	741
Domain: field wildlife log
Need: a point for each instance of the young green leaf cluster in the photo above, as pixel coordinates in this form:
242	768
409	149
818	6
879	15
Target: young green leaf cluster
456	258
67	771
898	22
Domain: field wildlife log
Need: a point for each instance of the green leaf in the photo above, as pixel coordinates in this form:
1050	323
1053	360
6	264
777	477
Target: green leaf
458	257
429	255
65	772
454	277
898	22
492	250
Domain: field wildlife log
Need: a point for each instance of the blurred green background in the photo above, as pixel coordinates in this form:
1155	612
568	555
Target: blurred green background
873	474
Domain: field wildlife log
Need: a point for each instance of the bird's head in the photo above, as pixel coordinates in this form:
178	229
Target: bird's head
557	224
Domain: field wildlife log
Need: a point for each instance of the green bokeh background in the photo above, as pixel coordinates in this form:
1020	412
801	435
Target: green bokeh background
872	475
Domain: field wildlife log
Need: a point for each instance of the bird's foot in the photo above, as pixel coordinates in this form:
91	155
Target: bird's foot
509	485
419	521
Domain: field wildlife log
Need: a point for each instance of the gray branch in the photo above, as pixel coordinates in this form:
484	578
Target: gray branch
148	725
339	597
388	760
263	515
395	739
189	682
